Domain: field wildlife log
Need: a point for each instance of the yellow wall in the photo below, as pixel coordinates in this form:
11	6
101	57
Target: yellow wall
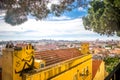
79	68
100	75
74	69
23	59
7	65
16	61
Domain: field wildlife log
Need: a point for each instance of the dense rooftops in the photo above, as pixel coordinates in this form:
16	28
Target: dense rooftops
21	45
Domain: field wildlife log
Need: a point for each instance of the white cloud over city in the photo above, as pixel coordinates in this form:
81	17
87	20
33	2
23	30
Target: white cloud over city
66	29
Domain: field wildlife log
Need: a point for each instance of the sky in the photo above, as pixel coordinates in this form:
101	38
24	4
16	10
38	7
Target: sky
68	26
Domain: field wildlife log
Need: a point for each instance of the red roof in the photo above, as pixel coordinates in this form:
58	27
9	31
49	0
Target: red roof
55	56
95	67
22	45
45	47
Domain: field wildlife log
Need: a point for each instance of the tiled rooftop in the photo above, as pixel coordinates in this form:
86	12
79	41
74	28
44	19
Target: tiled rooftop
55	56
95	66
116	51
21	45
45	47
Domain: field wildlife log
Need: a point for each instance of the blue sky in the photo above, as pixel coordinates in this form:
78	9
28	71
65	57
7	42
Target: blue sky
66	27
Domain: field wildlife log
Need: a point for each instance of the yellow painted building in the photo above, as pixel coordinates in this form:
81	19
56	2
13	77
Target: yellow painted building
16	60
22	63
79	68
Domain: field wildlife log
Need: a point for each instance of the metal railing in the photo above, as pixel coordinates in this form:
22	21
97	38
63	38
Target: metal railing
115	74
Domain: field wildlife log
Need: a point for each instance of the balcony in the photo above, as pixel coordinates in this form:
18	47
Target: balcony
115	74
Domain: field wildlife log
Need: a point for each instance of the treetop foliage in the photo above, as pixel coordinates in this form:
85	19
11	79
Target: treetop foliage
103	17
18	10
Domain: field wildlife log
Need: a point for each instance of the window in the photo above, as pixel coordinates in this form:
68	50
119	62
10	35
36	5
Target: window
42	65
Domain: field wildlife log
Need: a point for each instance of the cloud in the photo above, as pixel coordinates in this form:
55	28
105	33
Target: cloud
58	18
51	28
81	9
43	28
65	29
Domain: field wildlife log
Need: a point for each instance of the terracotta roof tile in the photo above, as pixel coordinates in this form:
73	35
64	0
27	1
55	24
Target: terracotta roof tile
116	51
95	67
21	45
55	56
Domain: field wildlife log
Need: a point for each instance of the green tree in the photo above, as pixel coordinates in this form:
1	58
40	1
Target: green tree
111	63
103	17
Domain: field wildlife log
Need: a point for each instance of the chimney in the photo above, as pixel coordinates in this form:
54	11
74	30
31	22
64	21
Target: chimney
85	48
16	60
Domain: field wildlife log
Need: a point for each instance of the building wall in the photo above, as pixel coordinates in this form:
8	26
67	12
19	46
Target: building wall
100	75
77	73
16	61
7	65
23	59
75	69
